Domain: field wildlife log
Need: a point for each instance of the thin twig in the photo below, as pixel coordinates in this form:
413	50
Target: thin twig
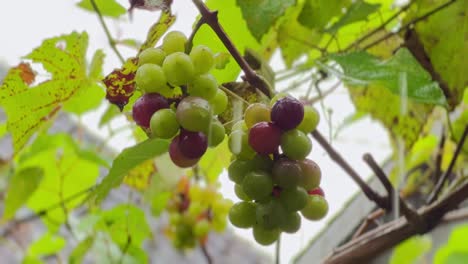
372	217
435	193
278	250
189	46
438	161
111	40
207	256
211	19
381	201
409	24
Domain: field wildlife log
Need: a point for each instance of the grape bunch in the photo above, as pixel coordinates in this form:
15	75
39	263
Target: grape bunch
194	211
275	186
180	98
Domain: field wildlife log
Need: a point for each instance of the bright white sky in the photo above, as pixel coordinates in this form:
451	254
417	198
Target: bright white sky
24	24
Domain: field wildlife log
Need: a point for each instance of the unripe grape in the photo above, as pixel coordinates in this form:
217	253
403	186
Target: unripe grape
150	78
270	215
310	120
239	145
286	173
256	113
201	228
204	86
216	133
242	214
291	223
178	68
192	144
287	113
203	59
174	41
146	106
151	55
240	193
311	174
219	102
265	236
164	124
265	138
257	184
177	157
194	114
295	144
316	208
293	199
238	169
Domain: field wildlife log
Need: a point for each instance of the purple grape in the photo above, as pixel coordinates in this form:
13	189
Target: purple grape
287	113
192	144
177	157
146	106
265	138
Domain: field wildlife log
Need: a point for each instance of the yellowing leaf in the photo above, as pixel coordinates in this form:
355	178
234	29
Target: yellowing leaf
158	29
140	177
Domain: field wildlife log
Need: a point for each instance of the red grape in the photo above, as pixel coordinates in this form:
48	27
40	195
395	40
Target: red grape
316	191
146	106
177	157
192	144
265	138
287	113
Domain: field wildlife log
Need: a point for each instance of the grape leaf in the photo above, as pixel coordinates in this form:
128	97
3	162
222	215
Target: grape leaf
261	15
443	35
157	30
358	11
140	177
20	188
159	202
214	161
109	8
29	108
411	250
48	244
127	160
362	68
456	244
78	253
316	14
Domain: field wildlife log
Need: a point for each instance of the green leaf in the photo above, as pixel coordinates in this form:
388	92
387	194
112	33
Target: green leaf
95	67
85	99
456	248
126	224
30	108
110	8
126	161
261	15
221	59
316	14
214	161
3	130
443	36
21	187
159	202
48	244
79	252
411	250
157	30
362	68
358	11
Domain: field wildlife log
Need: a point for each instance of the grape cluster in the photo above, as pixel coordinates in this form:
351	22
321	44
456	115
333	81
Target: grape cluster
180	98
194	211
274	186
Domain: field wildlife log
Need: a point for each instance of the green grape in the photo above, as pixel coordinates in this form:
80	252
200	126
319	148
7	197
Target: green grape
277	97
293	199
240	193
164	124
194	114
262	162
151	55
178	68
196	193
286	173
195	208
216	133
311	174
175	219
270	215
174	41
201	228
295	144
204	86
150	78
238	169
203	59
265	236
221	206
310	120
219	224
316	207
219	102
242	214
255	113
257	184
239	145
291	223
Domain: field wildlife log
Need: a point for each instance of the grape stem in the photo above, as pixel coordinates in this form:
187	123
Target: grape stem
211	19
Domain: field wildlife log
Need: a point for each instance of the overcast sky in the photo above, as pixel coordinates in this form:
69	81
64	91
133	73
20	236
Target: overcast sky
24	24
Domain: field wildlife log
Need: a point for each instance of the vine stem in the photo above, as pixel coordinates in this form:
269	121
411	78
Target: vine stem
278	250
211	19
107	31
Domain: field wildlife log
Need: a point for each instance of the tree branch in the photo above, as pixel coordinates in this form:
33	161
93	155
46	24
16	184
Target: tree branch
435	193
211	19
381	201
106	30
